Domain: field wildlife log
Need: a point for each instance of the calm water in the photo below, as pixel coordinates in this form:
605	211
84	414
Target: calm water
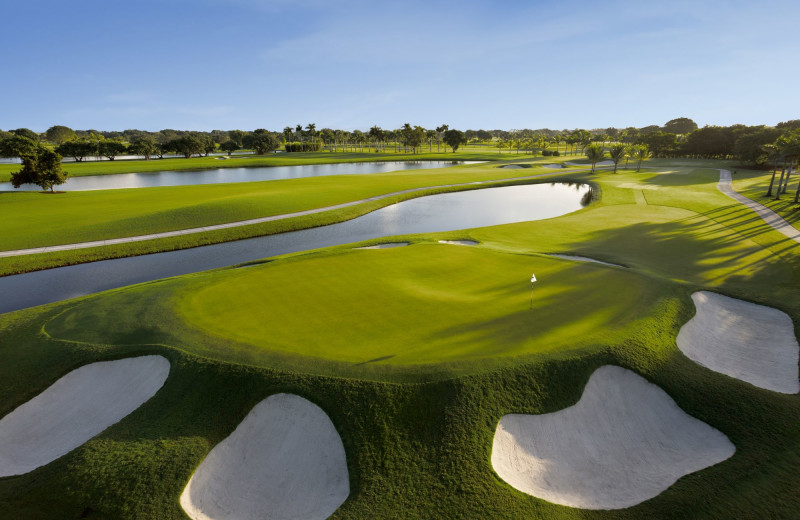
445	212
223	175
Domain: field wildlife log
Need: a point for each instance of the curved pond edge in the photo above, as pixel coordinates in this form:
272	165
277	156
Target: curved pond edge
49	257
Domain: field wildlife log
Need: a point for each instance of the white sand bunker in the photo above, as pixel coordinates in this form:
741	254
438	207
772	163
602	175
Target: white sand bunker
624	442
74	409
387	245
284	461
459	242
750	342
559	166
513	166
584	259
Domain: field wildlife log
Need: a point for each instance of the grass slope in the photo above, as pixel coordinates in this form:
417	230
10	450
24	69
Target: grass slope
418	435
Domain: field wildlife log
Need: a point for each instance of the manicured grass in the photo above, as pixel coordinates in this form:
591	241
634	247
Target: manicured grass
439	308
417	427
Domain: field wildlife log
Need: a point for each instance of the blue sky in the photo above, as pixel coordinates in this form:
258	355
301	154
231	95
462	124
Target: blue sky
224	64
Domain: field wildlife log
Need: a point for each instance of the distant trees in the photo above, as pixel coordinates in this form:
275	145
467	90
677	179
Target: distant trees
25	132
79	149
145	146
412	137
17	146
749	146
262	141
187	145
454	138
440	130
229	146
710	142
40	164
595	153
59	134
237	136
111	149
660	144
681	125
42	169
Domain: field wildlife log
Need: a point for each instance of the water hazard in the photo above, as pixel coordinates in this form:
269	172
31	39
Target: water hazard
224	175
444	212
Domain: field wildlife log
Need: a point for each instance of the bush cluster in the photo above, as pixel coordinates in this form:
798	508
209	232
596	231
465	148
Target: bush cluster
549	153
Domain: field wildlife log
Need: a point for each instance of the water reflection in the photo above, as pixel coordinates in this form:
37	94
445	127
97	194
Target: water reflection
444	212
225	175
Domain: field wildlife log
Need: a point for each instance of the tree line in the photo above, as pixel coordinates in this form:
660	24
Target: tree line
753	145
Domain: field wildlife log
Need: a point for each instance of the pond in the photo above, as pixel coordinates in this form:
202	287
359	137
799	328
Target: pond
223	175
443	212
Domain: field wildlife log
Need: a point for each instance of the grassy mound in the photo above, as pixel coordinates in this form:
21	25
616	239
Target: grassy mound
424	308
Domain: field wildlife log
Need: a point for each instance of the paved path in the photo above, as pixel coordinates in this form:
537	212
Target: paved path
153	236
769	216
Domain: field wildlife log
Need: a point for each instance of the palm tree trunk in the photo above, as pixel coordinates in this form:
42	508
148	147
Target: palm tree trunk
788	174
780	183
797	194
771	182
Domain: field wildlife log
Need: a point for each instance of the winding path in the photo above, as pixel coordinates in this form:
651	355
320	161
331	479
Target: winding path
770	217
261	220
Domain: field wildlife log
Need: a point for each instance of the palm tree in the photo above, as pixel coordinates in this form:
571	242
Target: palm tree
641	152
312	131
431	135
773	154
618	152
440	130
595	153
500	145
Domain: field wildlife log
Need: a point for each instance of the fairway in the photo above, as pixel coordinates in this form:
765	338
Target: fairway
416	353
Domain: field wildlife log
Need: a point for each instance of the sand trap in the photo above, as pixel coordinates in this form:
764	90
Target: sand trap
584	259
74	409
625	442
750	342
514	166
559	166
284	461
387	245
460	242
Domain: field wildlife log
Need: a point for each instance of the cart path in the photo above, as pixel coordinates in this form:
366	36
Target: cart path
770	217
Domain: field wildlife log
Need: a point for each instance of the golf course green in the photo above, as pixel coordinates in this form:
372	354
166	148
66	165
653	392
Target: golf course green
415	353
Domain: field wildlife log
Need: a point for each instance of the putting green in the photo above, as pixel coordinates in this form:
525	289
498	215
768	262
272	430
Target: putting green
422	304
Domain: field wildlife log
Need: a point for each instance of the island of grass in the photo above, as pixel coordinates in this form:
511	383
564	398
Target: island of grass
416	353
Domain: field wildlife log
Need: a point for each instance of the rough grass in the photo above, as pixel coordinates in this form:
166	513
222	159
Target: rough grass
418	442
